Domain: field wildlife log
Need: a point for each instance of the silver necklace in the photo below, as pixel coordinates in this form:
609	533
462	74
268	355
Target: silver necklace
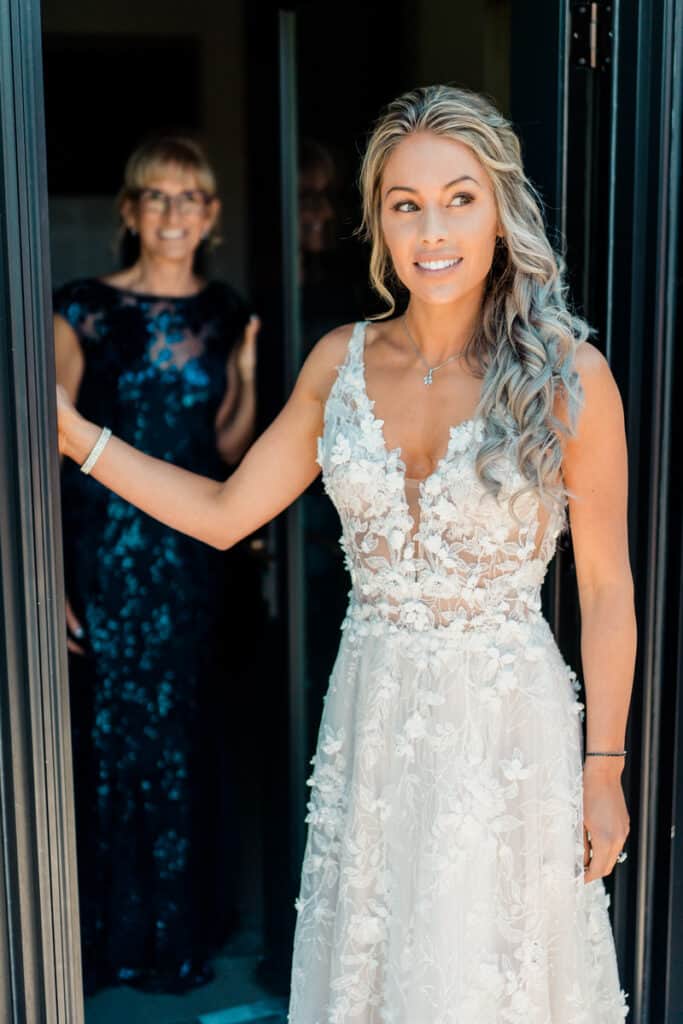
431	370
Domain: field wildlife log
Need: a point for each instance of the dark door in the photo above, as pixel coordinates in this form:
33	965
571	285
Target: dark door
596	134
333	75
40	953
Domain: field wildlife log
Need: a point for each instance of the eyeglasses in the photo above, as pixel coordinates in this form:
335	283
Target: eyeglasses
191	203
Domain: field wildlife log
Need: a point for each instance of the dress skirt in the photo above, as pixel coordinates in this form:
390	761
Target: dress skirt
443	876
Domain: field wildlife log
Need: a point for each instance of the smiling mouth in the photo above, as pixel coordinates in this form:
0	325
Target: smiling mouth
172	236
437	266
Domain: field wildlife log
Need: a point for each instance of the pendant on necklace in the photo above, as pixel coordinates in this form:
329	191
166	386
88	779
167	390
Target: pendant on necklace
428	377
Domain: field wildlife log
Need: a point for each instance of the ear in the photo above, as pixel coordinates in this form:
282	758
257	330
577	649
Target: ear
213	210
129	214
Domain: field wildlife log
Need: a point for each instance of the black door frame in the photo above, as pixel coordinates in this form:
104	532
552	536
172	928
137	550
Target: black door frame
617	180
40	970
640	276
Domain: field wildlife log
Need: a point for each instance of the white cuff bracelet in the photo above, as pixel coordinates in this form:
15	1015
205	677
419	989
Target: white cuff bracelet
97	450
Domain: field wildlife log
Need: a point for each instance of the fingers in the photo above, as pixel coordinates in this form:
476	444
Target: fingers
252	328
587	852
246	356
251	333
75	629
600	854
72	622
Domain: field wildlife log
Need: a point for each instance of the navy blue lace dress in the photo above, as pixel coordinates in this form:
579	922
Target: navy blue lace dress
152	605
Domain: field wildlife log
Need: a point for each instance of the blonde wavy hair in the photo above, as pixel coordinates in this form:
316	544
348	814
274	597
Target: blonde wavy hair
524	348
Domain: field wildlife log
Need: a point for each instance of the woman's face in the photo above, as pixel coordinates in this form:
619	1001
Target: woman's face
316	212
171	215
439	218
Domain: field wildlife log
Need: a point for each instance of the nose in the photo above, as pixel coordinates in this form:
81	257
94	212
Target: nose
171	215
433	226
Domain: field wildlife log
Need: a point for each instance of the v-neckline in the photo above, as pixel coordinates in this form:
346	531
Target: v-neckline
453	430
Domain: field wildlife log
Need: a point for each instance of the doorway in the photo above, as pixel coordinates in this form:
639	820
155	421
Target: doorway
231	91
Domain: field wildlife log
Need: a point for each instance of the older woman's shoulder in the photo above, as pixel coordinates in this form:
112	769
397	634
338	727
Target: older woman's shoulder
225	295
76	300
83	287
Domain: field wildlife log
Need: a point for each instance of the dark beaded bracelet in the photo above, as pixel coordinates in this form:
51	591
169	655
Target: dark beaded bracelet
605	753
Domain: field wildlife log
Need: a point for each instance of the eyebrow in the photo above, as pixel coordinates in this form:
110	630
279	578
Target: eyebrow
407	188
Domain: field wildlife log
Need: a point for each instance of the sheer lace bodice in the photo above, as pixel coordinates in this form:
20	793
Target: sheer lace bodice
433	552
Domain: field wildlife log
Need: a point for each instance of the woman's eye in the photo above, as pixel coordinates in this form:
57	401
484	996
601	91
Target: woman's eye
405	206
465	196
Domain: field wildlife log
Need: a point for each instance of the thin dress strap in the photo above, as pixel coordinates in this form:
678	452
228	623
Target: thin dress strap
352	365
354	356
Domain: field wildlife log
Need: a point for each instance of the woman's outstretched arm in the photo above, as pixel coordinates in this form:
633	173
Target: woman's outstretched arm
275	471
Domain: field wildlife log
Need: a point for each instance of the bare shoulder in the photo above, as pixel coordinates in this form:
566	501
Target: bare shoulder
602	405
590	363
64	332
601	402
67	344
323	361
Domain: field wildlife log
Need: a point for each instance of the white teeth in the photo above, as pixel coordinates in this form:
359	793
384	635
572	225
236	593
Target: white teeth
172	234
437	264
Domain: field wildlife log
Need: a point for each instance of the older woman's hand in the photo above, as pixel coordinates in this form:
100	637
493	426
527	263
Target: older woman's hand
246	356
605	817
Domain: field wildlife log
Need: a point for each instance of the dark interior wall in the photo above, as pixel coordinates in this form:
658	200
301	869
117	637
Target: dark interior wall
376	51
82	226
467	44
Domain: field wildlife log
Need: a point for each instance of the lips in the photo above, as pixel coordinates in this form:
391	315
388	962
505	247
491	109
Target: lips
434	266
172	235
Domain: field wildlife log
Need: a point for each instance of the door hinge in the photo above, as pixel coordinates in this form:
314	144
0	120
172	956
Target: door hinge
591	35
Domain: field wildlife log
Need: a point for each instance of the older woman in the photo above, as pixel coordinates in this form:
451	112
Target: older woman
168	358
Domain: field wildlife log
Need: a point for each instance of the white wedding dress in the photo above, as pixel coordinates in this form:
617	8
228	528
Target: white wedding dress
443	875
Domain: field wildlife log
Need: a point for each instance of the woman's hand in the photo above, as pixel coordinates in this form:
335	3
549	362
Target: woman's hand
246	356
605	817
73	629
236	416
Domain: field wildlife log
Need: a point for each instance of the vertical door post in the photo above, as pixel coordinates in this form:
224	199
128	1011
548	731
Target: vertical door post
40	970
296	610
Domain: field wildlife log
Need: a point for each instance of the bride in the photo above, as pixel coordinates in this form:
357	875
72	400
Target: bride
459	829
